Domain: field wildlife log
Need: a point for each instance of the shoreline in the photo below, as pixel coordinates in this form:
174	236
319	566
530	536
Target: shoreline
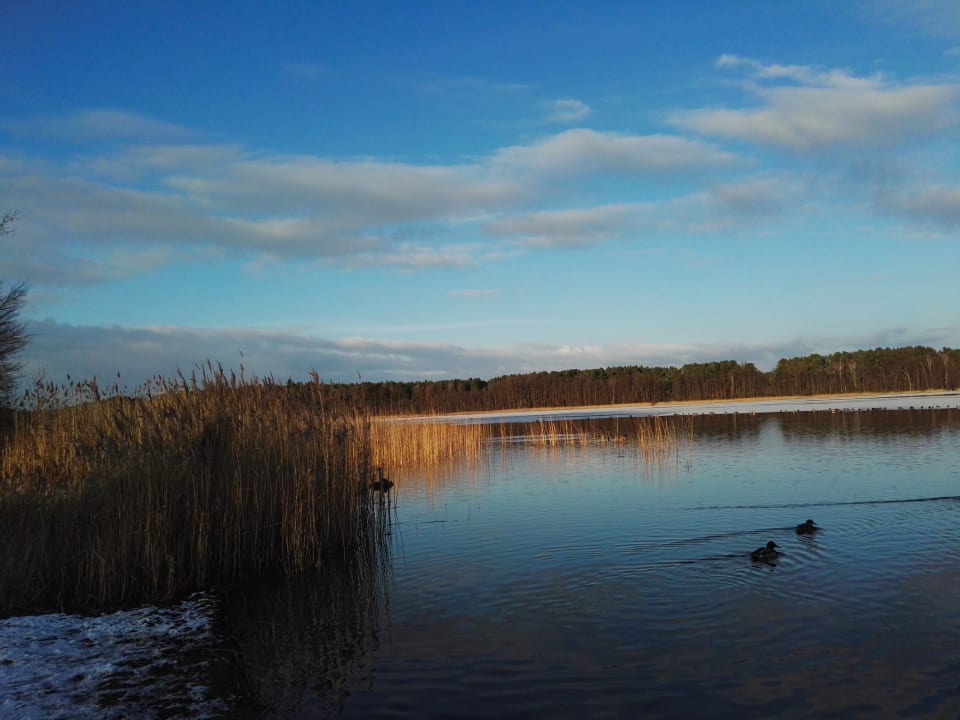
926	399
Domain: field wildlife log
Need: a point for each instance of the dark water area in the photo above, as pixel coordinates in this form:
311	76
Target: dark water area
588	581
595	582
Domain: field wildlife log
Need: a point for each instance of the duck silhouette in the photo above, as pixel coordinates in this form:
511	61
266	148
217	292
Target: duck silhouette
381	483
807	528
767	553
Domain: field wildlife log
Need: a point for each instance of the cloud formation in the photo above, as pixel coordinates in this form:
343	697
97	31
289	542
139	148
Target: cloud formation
933	204
98	125
806	109
575	227
718	206
132	194
137	204
582	151
567	110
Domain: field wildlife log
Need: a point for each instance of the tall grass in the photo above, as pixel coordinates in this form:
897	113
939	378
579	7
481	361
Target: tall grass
119	500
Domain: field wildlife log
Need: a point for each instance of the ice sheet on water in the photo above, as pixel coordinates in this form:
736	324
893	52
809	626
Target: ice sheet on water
148	662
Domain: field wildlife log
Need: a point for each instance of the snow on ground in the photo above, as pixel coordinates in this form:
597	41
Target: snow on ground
152	662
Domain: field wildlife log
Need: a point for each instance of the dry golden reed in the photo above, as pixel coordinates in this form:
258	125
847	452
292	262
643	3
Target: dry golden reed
423	442
660	435
112	501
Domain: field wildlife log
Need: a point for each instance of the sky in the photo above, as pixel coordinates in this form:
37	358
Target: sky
429	190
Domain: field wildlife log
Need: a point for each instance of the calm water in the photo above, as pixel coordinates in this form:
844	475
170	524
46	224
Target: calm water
584	582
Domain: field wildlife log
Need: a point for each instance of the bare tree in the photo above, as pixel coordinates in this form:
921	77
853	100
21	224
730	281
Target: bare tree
13	332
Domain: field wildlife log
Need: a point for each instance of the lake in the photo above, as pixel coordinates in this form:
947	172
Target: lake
593	581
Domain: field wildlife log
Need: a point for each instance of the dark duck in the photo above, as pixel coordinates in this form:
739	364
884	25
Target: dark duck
379	482
807	528
767	553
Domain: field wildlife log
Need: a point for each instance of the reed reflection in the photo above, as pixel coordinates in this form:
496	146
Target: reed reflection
303	642
657	444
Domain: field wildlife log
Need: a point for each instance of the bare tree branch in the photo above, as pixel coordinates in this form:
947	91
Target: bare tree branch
13	332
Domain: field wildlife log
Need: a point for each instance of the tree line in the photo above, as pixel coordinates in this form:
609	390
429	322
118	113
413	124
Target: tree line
903	369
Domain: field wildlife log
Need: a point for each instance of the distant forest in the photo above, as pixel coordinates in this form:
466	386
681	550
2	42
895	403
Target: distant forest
903	369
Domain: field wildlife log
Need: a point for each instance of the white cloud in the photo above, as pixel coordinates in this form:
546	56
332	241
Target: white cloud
355	192
807	109
101	125
935	204
802	74
170	201
187	198
757	195
413	256
575	227
567	110
719	207
576	152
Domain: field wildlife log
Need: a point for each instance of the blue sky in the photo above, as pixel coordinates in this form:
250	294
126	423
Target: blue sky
414	190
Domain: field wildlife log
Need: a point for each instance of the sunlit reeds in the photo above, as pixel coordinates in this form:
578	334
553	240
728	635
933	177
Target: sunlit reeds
117	500
423	442
659	435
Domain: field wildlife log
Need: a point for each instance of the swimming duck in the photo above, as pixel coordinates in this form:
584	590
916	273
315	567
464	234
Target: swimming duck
767	553
807	528
380	482
381	485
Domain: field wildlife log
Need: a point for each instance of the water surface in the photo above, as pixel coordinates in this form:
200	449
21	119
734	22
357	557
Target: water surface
588	581
591	582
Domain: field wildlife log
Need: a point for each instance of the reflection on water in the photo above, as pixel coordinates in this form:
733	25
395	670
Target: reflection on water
583	582
302	642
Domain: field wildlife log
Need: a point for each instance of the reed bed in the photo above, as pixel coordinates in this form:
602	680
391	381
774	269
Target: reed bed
663	435
423	444
653	435
111	501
